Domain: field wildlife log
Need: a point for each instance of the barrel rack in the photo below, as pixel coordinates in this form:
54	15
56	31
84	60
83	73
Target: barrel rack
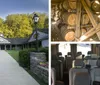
75	20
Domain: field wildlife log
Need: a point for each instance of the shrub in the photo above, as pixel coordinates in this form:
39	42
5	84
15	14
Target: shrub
45	50
24	57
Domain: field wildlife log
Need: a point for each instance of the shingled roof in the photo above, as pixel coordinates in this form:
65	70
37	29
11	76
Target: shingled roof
17	40
4	41
43	34
45	30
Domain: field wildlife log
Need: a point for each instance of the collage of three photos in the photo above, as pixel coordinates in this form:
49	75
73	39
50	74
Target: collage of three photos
50	42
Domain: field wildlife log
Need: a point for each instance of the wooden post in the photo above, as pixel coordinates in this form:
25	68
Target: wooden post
88	3
78	20
92	19
90	33
89	12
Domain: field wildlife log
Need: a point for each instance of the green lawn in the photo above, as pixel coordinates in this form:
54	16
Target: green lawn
15	55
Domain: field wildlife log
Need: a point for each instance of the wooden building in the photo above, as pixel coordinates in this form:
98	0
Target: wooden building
75	20
22	43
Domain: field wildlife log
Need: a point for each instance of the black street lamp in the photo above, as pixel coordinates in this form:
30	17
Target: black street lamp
36	19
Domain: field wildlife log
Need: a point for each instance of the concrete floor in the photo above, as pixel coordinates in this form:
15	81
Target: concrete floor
11	73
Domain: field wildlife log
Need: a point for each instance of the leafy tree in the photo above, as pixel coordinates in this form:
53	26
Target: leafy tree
21	25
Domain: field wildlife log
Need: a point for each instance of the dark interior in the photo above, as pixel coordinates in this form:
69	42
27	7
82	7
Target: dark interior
62	65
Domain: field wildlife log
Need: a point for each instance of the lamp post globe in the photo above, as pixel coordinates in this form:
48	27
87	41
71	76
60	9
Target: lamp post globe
35	18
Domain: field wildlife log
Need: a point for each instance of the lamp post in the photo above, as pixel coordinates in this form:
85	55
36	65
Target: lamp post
36	19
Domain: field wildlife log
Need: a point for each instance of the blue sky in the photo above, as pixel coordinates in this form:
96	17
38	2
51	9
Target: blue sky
22	6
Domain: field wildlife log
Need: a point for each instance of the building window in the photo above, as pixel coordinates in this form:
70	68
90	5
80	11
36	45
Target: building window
64	49
84	48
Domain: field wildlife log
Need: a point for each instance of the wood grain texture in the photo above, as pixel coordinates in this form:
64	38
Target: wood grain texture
90	33
78	20
92	19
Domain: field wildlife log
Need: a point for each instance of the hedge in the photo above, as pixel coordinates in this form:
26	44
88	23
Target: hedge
45	50
24	56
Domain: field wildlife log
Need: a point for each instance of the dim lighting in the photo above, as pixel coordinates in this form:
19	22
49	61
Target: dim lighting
97	2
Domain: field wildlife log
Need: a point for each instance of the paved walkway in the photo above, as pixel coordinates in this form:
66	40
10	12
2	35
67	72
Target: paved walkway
11	73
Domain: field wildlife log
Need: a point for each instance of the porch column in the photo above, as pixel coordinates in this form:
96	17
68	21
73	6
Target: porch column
10	47
5	47
27	45
15	47
30	45
23	46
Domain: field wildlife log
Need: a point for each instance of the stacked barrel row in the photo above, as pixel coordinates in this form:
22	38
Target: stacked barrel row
66	13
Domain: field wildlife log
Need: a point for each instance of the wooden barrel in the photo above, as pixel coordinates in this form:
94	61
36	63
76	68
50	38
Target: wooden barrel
60	14
83	30
60	6
66	5
67	34
97	18
69	18
54	32
96	6
52	13
69	4
85	19
72	4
